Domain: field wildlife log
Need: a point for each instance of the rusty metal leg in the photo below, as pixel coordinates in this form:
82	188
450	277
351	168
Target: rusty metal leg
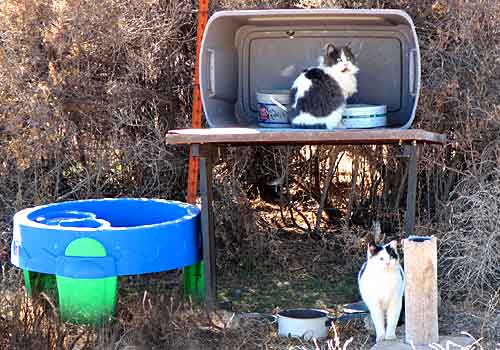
207	222
411	152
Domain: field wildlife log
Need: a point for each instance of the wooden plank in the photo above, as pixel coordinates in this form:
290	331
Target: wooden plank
296	136
421	303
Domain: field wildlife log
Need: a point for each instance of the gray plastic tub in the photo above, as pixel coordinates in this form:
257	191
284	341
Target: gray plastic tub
246	51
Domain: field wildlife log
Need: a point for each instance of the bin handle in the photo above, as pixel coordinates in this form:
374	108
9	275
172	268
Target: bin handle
413	74
211	72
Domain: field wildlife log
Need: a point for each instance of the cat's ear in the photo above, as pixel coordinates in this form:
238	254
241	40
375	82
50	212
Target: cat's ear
329	59
394	244
371	248
329	49
348	52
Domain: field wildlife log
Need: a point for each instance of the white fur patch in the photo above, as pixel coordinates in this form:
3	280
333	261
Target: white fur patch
302	84
346	80
305	119
342	56
332	121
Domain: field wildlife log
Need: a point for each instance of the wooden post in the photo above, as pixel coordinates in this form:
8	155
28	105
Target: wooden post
421	298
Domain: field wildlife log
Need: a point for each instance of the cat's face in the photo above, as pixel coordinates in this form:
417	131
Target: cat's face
340	59
385	257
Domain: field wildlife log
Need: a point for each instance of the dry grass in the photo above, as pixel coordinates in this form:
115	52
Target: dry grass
145	320
163	321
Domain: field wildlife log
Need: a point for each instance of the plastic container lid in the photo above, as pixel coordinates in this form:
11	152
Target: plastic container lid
281	95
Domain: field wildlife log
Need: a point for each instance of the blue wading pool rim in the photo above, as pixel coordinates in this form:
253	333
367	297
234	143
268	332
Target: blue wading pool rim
140	235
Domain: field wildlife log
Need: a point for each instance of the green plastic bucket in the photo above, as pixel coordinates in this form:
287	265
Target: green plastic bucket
194	281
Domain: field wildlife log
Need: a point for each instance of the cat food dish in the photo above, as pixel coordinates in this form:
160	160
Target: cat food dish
273	108
303	323
360	116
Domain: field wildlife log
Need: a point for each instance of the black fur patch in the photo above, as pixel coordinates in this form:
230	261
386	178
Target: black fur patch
392	253
315	73
293	93
323	97
349	55
332	55
375	249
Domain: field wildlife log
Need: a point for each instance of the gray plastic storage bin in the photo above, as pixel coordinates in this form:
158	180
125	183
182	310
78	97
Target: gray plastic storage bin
246	51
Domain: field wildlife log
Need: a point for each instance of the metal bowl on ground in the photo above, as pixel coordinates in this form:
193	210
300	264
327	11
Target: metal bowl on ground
304	323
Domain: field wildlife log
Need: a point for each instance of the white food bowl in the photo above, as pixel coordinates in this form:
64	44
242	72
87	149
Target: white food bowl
361	116
304	323
273	108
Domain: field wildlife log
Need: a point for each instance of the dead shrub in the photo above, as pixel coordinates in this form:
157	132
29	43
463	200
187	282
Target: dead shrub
89	90
470	249
237	223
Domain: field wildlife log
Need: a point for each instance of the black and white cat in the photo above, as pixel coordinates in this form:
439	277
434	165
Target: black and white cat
318	95
381	284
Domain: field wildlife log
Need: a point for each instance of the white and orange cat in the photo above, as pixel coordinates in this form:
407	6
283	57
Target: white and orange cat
381	284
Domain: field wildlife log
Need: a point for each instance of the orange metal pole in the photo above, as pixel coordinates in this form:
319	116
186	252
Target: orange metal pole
197	106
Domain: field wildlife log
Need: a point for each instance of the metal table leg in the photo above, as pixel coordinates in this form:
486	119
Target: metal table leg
411	152
205	153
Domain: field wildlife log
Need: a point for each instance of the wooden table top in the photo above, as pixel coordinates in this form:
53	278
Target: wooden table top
249	136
